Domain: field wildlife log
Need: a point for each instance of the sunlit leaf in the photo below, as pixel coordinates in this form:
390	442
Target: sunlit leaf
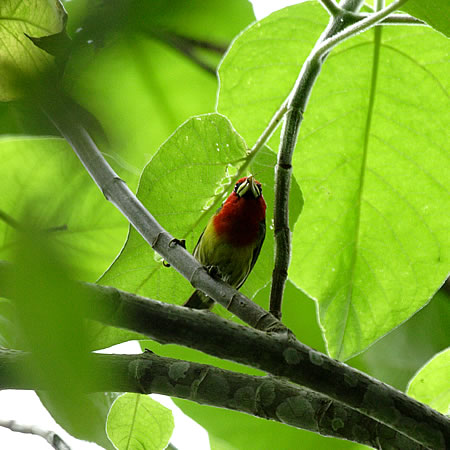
372	244
137	422
431	384
19	57
67	204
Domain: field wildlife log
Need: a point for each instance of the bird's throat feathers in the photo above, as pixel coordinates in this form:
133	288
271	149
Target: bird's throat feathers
238	221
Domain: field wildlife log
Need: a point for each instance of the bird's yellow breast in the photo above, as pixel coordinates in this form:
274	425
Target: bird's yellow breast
232	262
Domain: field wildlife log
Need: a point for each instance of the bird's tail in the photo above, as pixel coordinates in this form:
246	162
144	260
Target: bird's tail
198	300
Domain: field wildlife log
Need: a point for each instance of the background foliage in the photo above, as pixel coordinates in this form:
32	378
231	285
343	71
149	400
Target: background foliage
371	244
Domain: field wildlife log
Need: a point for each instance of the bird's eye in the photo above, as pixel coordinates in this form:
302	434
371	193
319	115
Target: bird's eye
236	187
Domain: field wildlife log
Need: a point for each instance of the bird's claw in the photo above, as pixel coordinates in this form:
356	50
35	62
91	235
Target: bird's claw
213	271
172	244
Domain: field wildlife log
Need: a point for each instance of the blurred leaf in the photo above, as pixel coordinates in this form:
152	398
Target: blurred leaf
431	384
8	321
372	243
150	83
435	13
138	422
19	57
67	204
50	324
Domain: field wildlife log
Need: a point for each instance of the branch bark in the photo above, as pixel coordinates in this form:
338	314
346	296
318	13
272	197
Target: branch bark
279	354
260	396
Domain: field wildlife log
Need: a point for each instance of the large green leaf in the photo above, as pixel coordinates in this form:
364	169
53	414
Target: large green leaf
431	384
182	185
371	245
137	422
45	172
19	57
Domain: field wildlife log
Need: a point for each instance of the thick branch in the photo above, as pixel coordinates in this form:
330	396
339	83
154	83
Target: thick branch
279	354
265	397
117	192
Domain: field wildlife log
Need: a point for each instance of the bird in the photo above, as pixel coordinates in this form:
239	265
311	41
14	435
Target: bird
231	241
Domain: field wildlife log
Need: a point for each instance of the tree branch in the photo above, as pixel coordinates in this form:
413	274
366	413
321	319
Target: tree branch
279	354
118	193
260	396
331	6
50	436
394	19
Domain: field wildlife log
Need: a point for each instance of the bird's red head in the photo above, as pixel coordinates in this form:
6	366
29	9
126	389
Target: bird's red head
239	219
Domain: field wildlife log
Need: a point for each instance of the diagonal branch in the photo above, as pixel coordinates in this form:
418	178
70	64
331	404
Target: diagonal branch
118	193
260	396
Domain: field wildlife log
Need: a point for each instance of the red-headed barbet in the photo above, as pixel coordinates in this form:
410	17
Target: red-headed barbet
231	242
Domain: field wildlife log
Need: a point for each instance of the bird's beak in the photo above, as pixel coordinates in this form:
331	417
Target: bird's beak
249	184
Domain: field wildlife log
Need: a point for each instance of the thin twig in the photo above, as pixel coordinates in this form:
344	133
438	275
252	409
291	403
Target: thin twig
260	396
50	436
331	6
358	27
395	19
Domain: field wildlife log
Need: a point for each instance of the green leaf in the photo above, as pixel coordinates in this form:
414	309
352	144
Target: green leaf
262	64
138	422
19	57
371	245
182	186
67	204
435	13
430	385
